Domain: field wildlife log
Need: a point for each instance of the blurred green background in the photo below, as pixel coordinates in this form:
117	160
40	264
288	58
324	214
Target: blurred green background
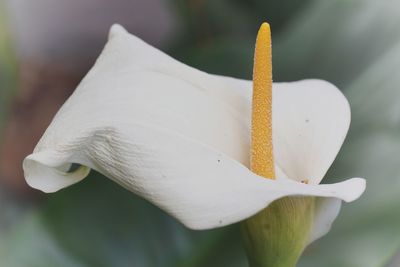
47	46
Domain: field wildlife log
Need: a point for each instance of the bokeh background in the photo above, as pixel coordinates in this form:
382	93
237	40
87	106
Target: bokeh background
47	46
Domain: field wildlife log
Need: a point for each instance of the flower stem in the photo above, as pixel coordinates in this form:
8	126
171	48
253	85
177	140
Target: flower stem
277	236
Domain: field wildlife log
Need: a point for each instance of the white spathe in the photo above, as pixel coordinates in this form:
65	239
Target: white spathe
180	138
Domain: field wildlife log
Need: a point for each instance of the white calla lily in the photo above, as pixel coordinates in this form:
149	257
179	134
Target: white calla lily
180	138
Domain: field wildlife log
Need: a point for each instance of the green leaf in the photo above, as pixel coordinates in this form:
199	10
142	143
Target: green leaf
367	233
98	223
336	40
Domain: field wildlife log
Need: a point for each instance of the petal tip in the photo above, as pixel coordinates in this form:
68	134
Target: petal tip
116	30
50	174
357	187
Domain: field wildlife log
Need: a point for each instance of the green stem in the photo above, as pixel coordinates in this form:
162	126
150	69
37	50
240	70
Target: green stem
277	236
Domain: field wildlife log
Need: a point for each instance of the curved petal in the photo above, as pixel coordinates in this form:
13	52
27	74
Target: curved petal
196	184
326	211
310	122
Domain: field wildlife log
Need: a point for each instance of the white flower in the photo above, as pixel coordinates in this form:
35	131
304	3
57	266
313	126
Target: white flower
180	138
